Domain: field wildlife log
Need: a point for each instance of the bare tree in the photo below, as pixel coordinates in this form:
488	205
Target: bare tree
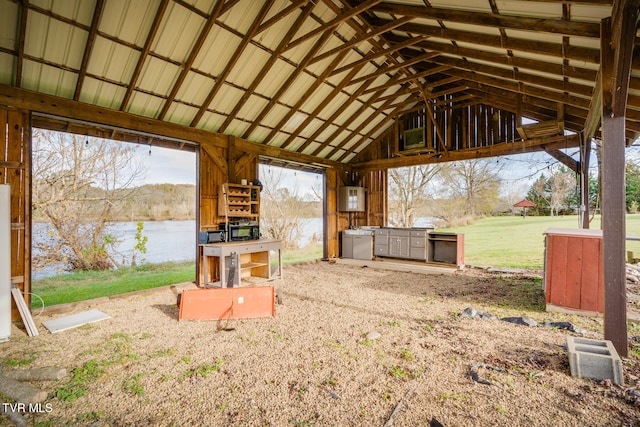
476	181
77	183
561	184
279	208
407	189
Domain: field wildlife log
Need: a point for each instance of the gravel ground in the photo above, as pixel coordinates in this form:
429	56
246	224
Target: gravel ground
349	346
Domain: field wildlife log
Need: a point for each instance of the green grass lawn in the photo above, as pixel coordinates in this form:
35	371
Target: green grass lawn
509	241
513	241
84	285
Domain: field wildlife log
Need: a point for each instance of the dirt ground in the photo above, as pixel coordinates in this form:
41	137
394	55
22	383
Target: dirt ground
348	346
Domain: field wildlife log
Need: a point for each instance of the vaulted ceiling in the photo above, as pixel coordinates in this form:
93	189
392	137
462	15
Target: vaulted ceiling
322	78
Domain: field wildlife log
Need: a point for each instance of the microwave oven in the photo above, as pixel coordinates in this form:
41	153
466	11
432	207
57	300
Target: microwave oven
240	232
215	236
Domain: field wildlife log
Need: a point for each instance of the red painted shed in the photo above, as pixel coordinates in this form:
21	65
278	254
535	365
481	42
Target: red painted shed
573	276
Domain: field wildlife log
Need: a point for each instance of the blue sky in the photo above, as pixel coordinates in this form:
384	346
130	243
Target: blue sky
179	167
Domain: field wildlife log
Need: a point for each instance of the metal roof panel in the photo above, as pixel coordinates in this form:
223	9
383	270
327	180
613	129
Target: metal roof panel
217	50
246	69
9	19
157	76
54	41
252	107
195	88
145	105
7	68
181	114
116	62
99	92
76	10
173	43
280	73
47	79
127	20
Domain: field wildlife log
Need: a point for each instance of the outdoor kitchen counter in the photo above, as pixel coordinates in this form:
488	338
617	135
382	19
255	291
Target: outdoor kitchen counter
239	260
420	244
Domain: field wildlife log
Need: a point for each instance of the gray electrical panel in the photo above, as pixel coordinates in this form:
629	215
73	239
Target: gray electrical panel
351	199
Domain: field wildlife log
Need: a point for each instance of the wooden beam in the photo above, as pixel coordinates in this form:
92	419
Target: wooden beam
331	25
585	157
564	158
79	111
525	45
221	79
290	80
555	26
306	11
570	71
162	8
501	149
378	53
615	68
91	38
21	40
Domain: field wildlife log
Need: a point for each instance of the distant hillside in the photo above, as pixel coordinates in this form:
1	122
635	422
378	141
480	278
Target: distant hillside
155	202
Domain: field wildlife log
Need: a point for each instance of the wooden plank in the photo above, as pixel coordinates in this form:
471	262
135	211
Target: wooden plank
75	320
25	313
556	270
592	298
227	303
573	277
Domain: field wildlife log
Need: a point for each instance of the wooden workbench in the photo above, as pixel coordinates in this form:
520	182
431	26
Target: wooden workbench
252	258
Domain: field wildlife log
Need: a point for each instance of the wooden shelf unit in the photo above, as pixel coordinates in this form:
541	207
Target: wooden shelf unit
239	201
446	248
254	258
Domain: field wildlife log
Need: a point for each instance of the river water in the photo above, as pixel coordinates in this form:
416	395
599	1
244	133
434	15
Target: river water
167	240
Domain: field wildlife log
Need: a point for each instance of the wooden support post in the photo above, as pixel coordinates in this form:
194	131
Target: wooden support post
585	157
617	35
613	233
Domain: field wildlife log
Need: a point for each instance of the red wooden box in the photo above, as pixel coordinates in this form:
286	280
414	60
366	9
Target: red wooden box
573	269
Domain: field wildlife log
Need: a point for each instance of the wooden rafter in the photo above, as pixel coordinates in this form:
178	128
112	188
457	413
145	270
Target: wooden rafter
361	38
516	76
232	62
153	31
308	93
397	109
88	49
393	68
520	62
435	70
582	29
306	11
331	25
354	116
186	67
314	114
292	77
577	53
21	39
378	53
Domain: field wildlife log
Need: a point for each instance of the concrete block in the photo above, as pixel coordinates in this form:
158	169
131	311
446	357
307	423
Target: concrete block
596	359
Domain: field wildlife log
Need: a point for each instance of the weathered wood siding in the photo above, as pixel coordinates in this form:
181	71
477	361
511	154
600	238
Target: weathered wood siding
15	170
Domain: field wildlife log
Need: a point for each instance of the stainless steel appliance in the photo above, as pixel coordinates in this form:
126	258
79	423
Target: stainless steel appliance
357	244
215	236
243	231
